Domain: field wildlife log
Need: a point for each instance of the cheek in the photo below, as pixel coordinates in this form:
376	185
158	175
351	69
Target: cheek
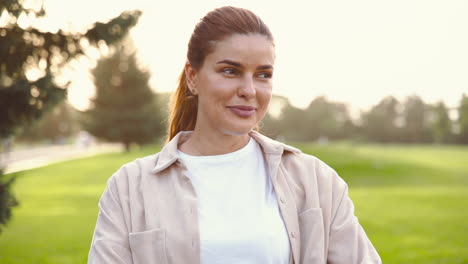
264	96
217	88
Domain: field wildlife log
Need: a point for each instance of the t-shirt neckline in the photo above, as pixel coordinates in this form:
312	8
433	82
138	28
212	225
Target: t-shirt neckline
249	147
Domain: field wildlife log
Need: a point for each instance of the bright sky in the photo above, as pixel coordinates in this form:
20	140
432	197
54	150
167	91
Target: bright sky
351	51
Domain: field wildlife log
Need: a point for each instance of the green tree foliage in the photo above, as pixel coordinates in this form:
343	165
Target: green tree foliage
24	98
56	125
292	125
124	109
416	127
321	119
387	122
7	199
463	120
380	123
326	119
22	49
441	124
270	126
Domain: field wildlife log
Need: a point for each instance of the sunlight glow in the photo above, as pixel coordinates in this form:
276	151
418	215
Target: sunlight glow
350	51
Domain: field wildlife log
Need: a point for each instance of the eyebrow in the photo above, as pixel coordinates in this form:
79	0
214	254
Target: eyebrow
236	64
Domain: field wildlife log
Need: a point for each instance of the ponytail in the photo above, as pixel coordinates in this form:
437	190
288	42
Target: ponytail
183	109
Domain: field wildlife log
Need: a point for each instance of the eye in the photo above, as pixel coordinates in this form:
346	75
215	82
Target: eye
265	75
229	71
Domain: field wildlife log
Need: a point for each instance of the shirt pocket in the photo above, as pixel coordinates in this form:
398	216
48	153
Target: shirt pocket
312	236
148	247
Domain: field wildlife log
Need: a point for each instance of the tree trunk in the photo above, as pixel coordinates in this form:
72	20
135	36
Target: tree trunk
127	146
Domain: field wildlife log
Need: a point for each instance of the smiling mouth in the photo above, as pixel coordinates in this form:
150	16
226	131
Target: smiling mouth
243	110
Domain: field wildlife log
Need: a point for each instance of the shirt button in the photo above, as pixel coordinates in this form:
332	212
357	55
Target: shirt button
283	200
293	234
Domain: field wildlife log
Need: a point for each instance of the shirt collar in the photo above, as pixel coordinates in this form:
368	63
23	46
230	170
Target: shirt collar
169	154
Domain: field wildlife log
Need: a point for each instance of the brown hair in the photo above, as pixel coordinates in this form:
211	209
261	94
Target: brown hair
215	26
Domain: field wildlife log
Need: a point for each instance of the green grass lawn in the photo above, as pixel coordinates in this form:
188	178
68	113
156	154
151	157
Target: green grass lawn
411	200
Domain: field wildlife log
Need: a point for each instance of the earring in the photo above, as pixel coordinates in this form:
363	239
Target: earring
193	90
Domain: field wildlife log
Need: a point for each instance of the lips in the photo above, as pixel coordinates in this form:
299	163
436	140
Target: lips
243	110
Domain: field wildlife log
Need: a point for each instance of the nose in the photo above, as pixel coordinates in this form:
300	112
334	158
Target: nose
247	88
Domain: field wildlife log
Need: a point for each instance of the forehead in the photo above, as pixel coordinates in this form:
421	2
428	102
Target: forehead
246	49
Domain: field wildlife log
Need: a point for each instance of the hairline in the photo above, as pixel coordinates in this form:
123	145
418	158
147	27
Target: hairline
212	44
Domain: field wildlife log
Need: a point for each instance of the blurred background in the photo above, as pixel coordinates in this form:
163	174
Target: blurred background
378	90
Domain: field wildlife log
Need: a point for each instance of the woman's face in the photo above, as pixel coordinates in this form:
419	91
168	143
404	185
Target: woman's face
234	84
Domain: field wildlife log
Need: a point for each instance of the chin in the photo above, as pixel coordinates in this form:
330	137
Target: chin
239	130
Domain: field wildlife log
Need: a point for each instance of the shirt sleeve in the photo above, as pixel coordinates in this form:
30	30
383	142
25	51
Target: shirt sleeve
110	242
348	242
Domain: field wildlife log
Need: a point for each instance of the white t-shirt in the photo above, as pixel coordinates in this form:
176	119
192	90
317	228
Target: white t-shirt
239	218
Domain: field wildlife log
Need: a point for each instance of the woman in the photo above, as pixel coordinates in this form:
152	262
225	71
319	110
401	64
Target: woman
220	192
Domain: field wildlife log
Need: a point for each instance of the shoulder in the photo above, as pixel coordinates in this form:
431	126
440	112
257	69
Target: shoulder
296	163
312	174
307	163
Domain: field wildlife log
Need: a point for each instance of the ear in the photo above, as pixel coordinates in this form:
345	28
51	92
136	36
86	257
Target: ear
190	77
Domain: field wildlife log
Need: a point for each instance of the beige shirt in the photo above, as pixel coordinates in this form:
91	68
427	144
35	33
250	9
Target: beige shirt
148	212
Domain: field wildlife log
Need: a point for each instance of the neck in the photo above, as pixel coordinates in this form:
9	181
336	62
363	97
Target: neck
214	143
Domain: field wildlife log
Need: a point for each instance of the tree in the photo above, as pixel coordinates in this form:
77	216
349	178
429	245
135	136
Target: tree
124	109
441	124
381	122
25	97
463	120
322	118
326	119
416	128
291	123
7	199
270	126
56	125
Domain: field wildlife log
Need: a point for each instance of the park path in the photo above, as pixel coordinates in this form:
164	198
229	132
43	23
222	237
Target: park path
33	157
